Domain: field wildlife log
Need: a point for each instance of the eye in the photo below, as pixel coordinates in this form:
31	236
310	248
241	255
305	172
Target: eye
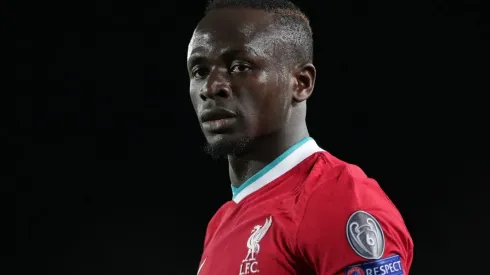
240	68
199	72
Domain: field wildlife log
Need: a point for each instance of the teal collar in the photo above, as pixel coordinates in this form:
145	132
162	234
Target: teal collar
283	163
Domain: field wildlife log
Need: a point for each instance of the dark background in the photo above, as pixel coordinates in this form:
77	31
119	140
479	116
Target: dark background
108	169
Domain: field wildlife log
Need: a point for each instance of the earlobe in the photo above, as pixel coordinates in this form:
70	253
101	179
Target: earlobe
305	79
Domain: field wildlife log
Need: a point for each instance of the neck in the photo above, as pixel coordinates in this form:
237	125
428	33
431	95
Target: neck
262	152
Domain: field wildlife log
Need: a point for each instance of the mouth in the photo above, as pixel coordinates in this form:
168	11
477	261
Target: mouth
215	120
216	114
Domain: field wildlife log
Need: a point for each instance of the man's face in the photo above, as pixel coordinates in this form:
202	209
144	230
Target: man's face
239	82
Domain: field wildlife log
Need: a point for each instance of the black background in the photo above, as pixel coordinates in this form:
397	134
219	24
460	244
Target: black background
109	173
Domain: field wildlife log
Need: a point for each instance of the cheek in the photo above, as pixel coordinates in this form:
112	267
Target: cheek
195	99
268	112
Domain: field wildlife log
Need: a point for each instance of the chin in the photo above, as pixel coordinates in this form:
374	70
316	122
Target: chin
221	146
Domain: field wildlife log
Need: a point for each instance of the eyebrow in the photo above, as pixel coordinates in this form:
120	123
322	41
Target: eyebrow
198	56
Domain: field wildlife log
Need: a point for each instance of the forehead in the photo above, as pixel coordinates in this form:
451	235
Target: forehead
232	28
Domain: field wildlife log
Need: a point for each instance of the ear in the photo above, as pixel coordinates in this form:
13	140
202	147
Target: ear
305	82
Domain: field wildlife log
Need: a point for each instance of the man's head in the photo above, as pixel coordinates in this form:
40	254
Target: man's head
250	69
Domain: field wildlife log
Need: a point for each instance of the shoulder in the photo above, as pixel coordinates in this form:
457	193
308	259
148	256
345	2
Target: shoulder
334	182
342	209
216	221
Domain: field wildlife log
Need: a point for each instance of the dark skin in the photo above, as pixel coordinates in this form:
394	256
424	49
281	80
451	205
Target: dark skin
236	62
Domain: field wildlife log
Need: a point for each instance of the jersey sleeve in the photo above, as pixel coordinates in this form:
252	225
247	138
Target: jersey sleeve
350	226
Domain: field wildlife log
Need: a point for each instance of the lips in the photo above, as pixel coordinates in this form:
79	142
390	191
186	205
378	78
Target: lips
216	114
218	121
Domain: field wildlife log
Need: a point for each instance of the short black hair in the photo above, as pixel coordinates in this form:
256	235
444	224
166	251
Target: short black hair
287	16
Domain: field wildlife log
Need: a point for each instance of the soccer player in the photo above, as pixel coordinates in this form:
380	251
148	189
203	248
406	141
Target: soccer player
296	209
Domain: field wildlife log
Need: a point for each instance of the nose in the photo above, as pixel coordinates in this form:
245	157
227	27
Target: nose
217	86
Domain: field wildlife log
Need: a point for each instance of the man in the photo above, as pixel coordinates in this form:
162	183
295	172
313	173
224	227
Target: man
296	209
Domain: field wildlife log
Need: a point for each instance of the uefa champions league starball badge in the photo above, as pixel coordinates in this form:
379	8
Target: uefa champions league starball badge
365	235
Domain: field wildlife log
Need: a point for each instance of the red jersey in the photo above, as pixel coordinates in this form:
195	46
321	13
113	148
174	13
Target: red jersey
307	212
